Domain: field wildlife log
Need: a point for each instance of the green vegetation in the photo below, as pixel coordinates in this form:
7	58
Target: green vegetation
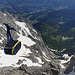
51	35
57	28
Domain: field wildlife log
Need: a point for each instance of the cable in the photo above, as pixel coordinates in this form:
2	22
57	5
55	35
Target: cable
13	6
15	9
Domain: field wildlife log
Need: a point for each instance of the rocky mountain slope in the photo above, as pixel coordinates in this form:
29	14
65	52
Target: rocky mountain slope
33	51
71	68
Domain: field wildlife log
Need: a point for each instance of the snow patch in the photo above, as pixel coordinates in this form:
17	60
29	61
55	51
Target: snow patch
5	14
66	56
23	27
1	40
53	50
39	60
25	40
44	55
30	63
3	26
62	66
35	31
64	62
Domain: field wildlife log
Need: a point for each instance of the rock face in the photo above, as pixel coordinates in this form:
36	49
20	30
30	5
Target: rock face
71	68
32	53
48	68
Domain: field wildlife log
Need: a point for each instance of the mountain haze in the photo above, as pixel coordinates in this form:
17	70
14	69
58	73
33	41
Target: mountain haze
27	6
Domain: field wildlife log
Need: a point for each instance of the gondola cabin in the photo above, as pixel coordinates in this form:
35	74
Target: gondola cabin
12	48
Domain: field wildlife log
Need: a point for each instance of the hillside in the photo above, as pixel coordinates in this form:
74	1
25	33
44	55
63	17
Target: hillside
56	27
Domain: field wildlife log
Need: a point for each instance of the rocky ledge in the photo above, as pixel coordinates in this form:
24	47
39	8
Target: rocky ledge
48	68
71	68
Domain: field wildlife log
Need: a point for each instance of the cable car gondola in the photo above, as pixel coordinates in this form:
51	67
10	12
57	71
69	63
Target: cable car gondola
12	46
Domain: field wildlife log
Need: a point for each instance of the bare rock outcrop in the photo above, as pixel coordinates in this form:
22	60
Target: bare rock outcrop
47	68
71	66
